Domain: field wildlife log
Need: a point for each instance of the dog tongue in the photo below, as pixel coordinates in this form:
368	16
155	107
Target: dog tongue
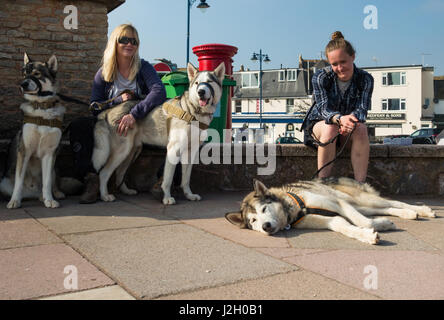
202	103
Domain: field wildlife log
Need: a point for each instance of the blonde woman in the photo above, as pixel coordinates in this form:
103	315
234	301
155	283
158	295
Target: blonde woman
122	70
342	95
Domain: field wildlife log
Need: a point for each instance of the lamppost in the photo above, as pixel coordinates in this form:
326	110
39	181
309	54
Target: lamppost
203	6
261	57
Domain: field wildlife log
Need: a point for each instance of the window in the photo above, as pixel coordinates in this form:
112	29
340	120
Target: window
250	80
281	75
393	104
238	106
291	75
393	78
290	106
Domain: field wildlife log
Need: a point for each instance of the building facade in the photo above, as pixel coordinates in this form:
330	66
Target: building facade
403	101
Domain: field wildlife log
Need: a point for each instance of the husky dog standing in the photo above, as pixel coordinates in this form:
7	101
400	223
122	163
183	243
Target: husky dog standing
168	125
33	149
341	205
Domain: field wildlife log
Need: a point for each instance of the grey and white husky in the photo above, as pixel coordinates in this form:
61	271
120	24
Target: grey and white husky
32	152
168	125
341	205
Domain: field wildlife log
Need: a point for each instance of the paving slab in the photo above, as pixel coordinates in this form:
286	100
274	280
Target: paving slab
74	218
387	274
18	229
430	231
107	293
298	285
161	260
33	272
326	239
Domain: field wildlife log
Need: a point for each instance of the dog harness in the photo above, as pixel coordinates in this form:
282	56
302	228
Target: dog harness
173	109
305	210
56	123
40	121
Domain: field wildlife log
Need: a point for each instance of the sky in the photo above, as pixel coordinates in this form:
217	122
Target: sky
392	33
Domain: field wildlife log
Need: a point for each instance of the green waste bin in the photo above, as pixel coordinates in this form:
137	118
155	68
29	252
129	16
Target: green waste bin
176	83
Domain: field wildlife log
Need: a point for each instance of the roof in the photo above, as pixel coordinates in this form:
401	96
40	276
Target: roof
271	86
110	4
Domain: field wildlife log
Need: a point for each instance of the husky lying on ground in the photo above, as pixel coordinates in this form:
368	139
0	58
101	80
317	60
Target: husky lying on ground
340	205
168	125
32	152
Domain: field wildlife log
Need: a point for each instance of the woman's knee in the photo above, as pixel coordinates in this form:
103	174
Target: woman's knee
325	132
360	133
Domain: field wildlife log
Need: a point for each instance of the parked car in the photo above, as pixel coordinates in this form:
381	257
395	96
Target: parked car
284	140
425	136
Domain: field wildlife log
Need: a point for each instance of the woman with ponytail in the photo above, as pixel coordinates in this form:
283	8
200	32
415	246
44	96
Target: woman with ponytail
342	95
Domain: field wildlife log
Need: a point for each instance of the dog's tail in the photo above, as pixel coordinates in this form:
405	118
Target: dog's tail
101	147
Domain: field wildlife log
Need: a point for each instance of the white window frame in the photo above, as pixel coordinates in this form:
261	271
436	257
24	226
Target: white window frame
402	79
281	76
292	74
402	104
250	75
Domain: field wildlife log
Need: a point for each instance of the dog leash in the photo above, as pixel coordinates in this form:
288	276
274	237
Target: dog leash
338	153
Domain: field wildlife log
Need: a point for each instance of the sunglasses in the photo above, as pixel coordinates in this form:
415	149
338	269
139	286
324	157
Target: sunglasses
126	40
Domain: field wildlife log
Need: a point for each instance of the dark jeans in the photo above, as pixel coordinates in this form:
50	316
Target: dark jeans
81	137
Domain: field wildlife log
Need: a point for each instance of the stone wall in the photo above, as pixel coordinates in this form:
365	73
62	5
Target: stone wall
37	28
393	170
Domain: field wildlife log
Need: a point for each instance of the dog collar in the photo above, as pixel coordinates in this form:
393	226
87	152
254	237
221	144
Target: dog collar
45	104
304	210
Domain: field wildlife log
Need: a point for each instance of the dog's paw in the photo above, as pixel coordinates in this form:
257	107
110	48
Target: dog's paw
383	224
108	198
369	236
51	203
427	212
192	196
14	204
168	201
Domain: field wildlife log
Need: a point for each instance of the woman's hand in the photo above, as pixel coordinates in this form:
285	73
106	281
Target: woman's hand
127	122
348	122
127	96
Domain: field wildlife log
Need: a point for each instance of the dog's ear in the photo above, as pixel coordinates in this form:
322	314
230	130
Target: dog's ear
26	59
220	72
52	63
259	188
236	219
192	71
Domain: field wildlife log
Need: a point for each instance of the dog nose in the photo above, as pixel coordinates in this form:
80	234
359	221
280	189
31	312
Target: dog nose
201	92
24	84
267	226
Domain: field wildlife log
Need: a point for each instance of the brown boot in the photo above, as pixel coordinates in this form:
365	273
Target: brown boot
92	184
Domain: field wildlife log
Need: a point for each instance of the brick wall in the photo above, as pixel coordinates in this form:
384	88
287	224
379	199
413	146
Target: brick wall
37	27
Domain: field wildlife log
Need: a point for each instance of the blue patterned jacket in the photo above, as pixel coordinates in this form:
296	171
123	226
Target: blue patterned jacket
328	100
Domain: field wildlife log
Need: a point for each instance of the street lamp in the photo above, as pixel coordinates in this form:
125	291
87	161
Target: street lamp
203	6
261	57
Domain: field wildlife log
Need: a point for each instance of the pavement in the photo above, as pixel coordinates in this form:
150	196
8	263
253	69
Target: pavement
136	248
